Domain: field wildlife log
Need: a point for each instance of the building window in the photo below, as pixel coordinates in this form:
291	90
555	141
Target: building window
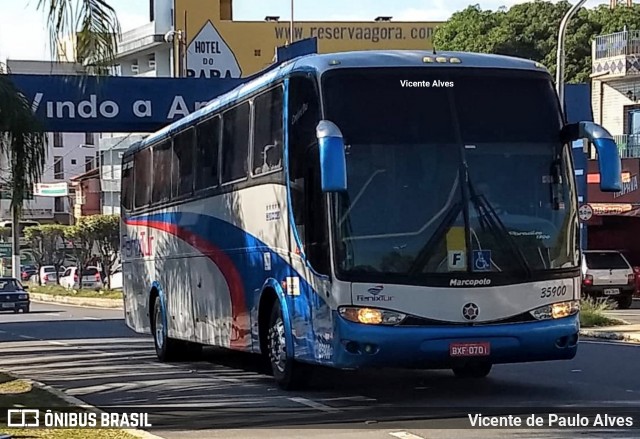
88	163
58	205
74	161
58	168
58	140
89	139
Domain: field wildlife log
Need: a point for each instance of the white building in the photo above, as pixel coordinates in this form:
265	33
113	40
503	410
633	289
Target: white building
144	52
68	155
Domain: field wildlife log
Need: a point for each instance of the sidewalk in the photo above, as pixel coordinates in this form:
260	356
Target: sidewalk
93	302
628	333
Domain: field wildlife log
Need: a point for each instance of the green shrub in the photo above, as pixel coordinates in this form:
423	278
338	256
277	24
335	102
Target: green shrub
592	313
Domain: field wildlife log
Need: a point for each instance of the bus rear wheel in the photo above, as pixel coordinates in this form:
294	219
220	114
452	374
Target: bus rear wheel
170	349
288	373
472	370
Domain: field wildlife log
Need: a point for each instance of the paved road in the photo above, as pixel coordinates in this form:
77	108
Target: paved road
631	315
92	355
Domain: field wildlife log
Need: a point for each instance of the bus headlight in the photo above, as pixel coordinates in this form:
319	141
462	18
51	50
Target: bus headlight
371	316
556	310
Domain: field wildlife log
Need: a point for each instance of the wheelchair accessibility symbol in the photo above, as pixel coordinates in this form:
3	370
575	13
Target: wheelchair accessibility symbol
482	260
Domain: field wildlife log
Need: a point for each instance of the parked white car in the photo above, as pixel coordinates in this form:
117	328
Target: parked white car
90	278
47	275
116	278
608	274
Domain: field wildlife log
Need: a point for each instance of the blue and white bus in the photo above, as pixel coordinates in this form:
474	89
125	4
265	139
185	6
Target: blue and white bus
364	209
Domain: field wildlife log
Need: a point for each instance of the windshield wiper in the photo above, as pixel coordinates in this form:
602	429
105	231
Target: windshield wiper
490	218
427	250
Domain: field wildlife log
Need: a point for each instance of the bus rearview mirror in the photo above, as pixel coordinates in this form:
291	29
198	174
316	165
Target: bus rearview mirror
333	163
609	164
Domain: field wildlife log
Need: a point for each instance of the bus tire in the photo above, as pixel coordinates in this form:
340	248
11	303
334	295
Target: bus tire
167	349
288	373
472	370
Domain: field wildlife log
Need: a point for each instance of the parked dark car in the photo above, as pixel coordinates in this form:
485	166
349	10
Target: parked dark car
13	295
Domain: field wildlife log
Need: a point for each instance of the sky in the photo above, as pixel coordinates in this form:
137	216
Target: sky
23	32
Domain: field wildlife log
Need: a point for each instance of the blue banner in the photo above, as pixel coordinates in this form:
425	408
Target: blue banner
117	104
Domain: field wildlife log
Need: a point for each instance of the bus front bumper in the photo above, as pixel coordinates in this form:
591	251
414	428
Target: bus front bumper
358	346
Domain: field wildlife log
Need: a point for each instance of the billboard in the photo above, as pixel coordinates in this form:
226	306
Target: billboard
217	46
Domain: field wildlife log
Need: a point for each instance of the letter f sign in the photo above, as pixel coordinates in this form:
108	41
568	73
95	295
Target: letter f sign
457	260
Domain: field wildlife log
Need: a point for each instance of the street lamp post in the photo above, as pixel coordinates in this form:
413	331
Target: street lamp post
291	24
560	55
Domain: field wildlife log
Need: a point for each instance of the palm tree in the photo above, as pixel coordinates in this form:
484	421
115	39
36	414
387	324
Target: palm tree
22	137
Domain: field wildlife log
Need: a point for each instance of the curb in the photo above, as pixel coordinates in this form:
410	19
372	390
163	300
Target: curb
611	335
79	403
95	302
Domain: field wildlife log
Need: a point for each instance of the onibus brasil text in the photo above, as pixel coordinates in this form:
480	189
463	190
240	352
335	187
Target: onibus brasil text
38	418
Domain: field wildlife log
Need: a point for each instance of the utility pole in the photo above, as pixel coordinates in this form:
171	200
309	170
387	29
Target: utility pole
15	240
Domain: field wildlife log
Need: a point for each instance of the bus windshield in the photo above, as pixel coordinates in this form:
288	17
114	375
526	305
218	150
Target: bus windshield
449	170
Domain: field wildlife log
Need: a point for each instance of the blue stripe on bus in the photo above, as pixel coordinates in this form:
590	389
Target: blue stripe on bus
247	256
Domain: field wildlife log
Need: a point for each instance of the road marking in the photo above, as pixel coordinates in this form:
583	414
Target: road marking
58	343
612	343
314	404
405	435
28	337
576	370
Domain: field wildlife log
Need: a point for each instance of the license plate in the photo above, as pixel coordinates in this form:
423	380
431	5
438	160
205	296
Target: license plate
8	305
479	349
611	291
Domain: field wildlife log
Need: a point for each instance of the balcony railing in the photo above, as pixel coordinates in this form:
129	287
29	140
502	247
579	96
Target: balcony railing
617	44
628	145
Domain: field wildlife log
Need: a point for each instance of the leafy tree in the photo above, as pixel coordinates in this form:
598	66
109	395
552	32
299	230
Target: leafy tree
47	245
106	232
22	138
82	237
530	30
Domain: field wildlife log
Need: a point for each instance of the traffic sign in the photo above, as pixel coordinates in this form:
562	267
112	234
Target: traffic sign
5	250
585	212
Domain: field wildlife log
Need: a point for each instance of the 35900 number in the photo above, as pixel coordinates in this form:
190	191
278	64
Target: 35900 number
557	291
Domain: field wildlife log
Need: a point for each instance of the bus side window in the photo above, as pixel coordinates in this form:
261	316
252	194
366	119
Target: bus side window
208	143
267	138
127	185
182	168
143	177
308	201
161	172
235	143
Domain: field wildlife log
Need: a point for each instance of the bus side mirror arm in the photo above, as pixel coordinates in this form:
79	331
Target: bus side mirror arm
333	162
609	163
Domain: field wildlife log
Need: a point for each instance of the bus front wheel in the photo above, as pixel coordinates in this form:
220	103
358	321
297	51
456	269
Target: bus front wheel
472	370
288	373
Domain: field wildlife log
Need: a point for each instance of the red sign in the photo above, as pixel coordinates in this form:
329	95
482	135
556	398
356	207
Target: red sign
476	349
630	193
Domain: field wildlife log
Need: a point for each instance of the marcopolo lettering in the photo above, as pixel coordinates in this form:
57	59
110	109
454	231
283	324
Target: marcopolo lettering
469	282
